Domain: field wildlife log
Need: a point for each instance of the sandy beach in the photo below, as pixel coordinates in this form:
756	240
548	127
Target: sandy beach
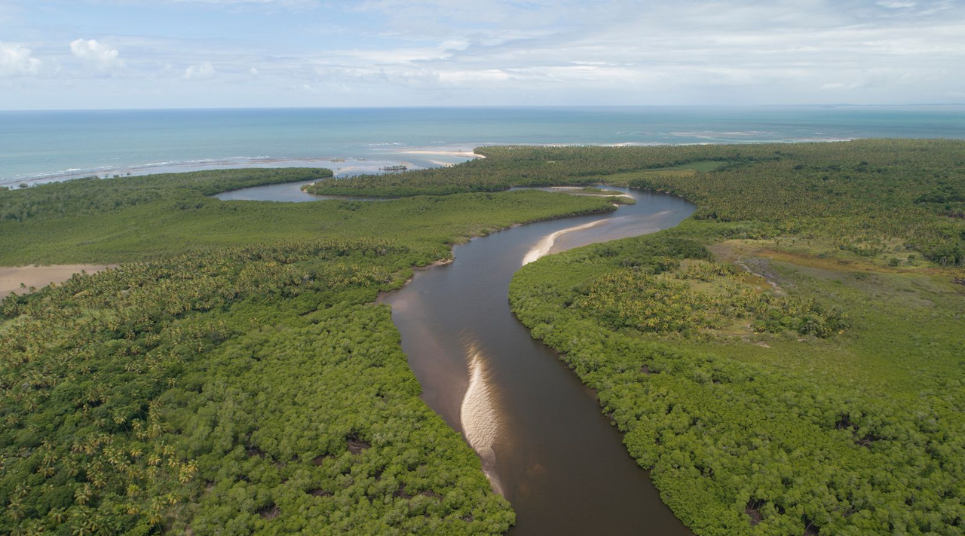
463	154
41	276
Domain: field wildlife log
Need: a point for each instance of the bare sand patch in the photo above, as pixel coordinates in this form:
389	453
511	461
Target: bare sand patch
544	246
578	190
41	276
464	154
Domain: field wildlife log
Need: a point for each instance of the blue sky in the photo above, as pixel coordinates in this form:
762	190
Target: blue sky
57	54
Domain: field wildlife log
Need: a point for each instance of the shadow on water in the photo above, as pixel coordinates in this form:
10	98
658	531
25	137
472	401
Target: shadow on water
541	435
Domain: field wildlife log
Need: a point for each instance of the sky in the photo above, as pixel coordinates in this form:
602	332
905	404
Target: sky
105	54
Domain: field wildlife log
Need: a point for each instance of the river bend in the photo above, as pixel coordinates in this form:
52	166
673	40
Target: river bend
540	433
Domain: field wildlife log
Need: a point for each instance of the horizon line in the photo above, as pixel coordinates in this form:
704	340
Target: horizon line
493	106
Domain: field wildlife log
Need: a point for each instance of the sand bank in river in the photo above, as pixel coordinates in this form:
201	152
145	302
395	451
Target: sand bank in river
40	276
577	190
479	417
544	246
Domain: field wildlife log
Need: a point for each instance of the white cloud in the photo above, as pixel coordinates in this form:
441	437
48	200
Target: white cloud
201	71
833	86
293	4
16	60
98	55
533	51
476	76
896	4
395	76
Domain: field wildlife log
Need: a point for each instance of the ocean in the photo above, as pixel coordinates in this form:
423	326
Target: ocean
42	146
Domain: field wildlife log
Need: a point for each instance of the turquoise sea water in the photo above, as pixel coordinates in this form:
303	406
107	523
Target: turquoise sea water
44	146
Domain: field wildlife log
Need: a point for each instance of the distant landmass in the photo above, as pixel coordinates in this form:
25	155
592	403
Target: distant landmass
43	146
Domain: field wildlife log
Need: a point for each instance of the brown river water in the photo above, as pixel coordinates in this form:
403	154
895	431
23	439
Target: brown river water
544	442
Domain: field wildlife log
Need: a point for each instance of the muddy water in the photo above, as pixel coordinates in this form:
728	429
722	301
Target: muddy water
541	435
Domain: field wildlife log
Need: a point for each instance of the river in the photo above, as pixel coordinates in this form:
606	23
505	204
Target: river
544	442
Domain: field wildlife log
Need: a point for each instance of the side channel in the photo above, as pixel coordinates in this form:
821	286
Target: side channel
543	440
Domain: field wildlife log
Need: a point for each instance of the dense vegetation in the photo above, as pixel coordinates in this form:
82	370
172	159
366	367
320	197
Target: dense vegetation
742	434
787	362
505	167
180	221
231	390
95	196
678	299
251	390
809	380
868	196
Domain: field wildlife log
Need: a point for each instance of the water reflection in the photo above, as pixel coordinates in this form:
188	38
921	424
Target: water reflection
289	192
